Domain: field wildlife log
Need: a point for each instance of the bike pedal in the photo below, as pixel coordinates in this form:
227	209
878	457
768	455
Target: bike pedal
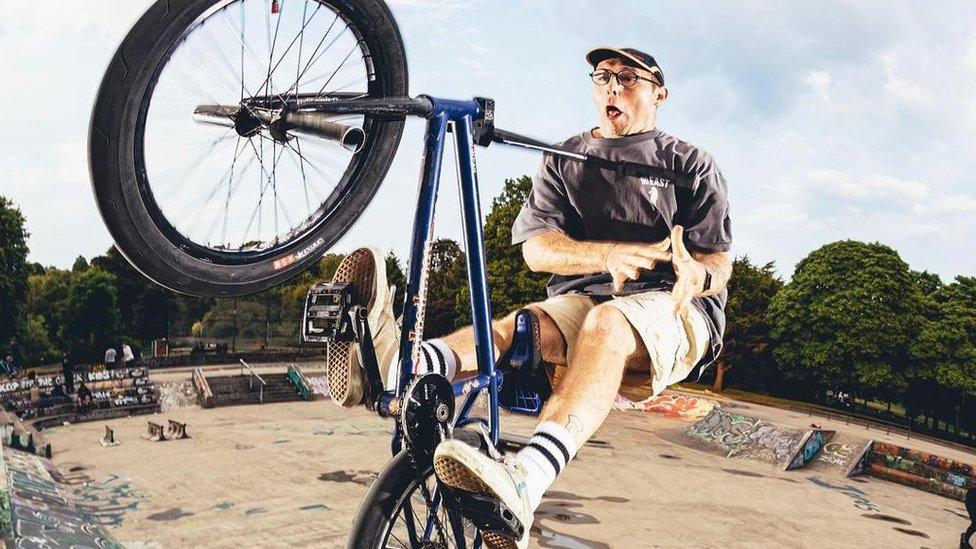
486	513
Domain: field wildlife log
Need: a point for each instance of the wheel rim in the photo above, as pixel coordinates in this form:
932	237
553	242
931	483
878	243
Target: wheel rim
231	196
397	534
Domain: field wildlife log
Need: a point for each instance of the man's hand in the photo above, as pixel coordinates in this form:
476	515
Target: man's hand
690	272
624	261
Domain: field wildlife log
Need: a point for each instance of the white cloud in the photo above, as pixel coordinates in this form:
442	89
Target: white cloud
819	82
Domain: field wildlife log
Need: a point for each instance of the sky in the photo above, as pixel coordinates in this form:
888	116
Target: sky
829	120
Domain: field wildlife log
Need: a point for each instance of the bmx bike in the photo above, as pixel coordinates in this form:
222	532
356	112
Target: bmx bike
234	141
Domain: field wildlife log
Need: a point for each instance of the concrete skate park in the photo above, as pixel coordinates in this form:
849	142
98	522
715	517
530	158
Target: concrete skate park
685	470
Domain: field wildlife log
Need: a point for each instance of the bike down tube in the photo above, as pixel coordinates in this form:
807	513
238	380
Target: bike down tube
423	224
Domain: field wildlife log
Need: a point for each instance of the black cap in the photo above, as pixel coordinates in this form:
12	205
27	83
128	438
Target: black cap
636	57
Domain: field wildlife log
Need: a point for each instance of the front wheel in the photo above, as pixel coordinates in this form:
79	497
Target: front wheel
204	185
395	513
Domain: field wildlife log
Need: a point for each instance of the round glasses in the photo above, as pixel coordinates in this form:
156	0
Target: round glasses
625	78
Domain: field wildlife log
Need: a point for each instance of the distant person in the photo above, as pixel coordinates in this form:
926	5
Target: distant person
127	357
971	509
8	366
110	355
34	391
84	398
68	371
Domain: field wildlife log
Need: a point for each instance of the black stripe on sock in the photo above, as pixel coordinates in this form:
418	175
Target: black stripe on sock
430	361
547	454
440	357
556	442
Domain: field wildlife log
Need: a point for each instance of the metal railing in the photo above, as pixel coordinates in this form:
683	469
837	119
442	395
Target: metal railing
250	380
298	379
203	388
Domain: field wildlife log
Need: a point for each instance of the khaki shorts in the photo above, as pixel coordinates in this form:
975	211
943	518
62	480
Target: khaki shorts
674	344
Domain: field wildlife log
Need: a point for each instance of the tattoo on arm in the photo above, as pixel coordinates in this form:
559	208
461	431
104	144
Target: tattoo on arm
574	425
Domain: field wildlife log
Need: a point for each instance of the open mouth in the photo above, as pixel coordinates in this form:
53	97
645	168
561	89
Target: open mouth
613	112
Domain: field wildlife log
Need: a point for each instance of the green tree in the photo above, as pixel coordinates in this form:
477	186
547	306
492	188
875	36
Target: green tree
845	320
511	282
945	349
46	296
446	278
145	306
396	277
35	344
747	349
91	320
13	271
80	264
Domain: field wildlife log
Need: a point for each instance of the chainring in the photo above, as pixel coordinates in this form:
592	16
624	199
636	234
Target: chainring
426	411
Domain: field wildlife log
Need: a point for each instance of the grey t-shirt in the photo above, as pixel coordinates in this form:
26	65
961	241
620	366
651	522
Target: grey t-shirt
685	187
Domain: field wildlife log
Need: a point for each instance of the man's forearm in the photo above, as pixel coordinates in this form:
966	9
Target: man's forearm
554	252
718	265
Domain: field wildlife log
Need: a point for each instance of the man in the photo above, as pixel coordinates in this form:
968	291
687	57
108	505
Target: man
127	357
68	371
110	358
84	397
639	270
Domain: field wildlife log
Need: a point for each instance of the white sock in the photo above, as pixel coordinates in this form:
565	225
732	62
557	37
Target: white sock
435	356
548	452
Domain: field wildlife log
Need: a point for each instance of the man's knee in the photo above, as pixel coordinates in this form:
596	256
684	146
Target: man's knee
606	324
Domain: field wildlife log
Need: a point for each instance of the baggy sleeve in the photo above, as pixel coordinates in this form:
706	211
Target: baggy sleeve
705	218
547	206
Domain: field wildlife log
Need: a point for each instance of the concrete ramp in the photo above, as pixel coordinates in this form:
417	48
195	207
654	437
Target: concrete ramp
840	456
810	447
921	470
46	513
748	438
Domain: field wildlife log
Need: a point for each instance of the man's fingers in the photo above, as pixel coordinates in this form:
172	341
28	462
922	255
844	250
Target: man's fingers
618	282
643	263
653	253
682	297
678	244
663	245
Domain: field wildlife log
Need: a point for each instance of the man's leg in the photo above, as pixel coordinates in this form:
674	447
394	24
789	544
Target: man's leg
552	341
560	319
607	344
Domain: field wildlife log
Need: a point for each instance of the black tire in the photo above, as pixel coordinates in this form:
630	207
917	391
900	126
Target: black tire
119	183
383	503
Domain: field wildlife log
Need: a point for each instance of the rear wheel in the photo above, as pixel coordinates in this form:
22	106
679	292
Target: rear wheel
202	186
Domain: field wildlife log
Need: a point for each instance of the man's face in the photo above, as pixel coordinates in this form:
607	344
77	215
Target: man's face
626	111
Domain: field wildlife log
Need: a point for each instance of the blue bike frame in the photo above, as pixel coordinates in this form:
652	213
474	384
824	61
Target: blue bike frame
459	114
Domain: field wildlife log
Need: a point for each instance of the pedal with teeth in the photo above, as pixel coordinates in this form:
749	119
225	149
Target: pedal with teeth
485	512
326	315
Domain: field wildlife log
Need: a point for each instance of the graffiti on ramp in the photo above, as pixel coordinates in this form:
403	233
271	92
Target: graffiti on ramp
747	437
686	407
810	447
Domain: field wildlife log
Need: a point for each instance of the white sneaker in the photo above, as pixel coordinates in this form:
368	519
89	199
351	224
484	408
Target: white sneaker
463	467
365	268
